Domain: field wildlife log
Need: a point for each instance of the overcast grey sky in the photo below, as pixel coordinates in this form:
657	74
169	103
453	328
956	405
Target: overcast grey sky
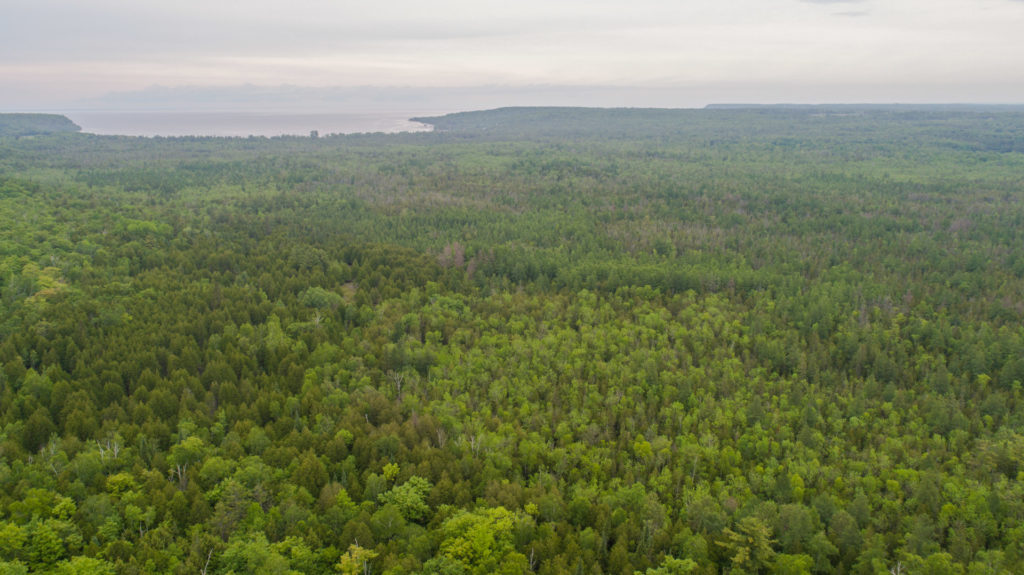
53	52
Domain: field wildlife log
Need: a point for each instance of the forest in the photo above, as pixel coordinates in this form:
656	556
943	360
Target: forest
535	340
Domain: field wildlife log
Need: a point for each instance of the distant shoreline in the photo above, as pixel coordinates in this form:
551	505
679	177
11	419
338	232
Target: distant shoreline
241	124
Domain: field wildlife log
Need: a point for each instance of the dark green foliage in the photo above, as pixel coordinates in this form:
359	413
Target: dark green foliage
652	341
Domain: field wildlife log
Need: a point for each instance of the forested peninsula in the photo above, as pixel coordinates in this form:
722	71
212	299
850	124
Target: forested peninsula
35	124
534	340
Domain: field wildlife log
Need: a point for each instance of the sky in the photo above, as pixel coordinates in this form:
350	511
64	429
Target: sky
680	53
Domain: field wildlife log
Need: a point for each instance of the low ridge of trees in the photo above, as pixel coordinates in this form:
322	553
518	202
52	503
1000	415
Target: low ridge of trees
35	124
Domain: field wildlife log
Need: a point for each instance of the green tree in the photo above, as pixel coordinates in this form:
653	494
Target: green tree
792	564
409	498
356	561
84	566
44	546
184	455
478	542
749	547
37	430
310	473
12	568
253	555
673	566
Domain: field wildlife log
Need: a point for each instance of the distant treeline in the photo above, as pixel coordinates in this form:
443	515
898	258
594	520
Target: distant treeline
834	126
933	108
35	124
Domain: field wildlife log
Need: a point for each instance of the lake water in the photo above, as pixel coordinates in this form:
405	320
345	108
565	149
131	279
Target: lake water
241	124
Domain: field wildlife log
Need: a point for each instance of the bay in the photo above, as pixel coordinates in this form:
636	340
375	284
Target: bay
241	124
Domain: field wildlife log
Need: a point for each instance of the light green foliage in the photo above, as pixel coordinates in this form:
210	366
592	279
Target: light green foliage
300	557
188	451
479	542
356	560
12	568
749	546
84	566
120	483
390	471
12	540
673	566
254	555
214	470
785	564
409	498
44	548
318	297
936	563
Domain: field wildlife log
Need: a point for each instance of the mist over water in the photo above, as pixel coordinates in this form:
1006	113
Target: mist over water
241	124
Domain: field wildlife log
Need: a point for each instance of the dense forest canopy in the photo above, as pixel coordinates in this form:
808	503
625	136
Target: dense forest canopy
35	124
533	341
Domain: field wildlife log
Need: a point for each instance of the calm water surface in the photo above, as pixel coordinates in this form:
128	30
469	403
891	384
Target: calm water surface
241	124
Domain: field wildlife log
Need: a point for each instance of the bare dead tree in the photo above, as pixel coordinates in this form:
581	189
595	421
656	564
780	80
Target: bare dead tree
397	380
207	564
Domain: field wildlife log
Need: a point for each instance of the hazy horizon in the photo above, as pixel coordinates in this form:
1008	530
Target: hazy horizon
59	54
417	101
